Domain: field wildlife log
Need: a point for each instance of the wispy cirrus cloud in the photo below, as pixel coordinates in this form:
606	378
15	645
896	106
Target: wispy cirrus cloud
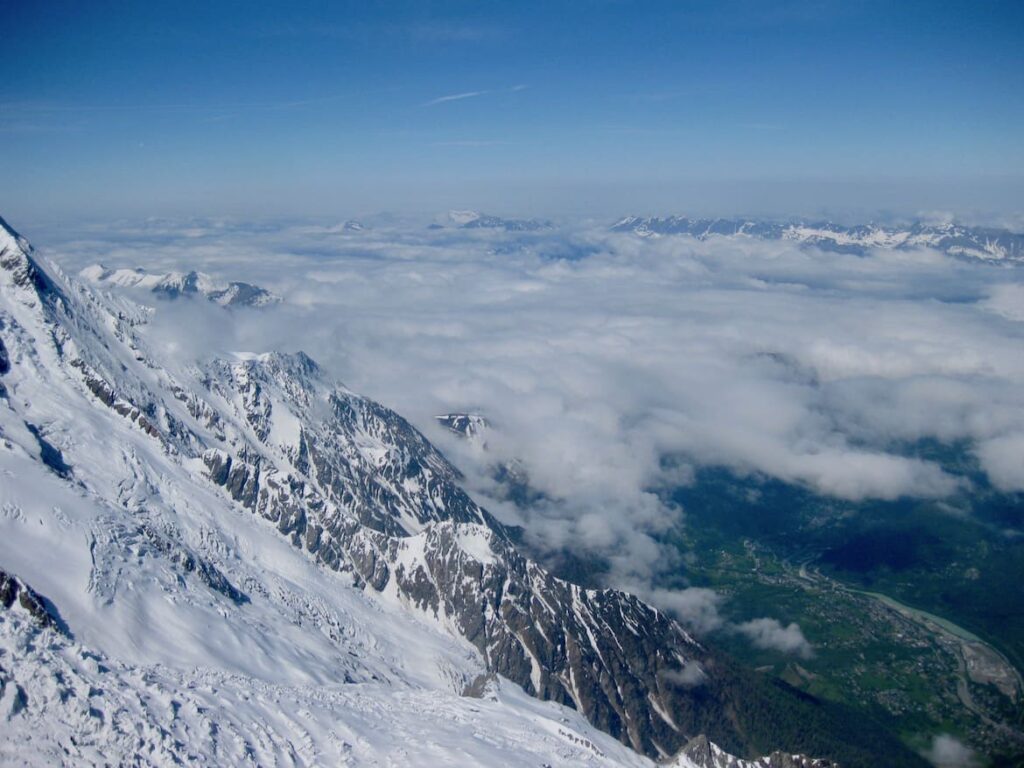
473	94
455	97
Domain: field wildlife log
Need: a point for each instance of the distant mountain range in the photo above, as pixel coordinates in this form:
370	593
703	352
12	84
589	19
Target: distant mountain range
174	285
988	244
475	220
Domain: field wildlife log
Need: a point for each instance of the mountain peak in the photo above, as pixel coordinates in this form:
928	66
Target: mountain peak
18	263
462	218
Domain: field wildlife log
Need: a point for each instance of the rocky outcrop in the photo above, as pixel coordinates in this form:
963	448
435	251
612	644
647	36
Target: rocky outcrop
16	593
363	459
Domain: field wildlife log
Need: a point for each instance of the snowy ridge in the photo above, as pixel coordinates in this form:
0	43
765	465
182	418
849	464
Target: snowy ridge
995	245
247	563
173	285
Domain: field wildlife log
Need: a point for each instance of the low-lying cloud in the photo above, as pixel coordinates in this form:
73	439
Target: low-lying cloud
770	634
692	675
949	752
697	608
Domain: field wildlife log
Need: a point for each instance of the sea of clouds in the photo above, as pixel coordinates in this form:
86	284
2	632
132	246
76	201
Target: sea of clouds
596	355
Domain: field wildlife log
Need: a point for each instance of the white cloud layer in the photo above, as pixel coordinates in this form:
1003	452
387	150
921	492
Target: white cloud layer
772	635
695	607
691	675
949	752
597	354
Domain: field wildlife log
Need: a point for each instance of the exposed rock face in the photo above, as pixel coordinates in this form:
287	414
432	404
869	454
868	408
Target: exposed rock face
468	425
601	651
952	239
364	460
13	591
365	492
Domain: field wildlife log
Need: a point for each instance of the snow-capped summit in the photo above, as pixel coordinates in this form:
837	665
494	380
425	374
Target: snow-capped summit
471	426
462	218
10	240
172	285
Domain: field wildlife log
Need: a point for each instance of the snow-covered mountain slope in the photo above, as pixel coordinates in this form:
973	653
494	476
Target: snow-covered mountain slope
173	285
64	703
239	561
997	245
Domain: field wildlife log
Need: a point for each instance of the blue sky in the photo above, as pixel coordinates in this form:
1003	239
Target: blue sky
330	109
